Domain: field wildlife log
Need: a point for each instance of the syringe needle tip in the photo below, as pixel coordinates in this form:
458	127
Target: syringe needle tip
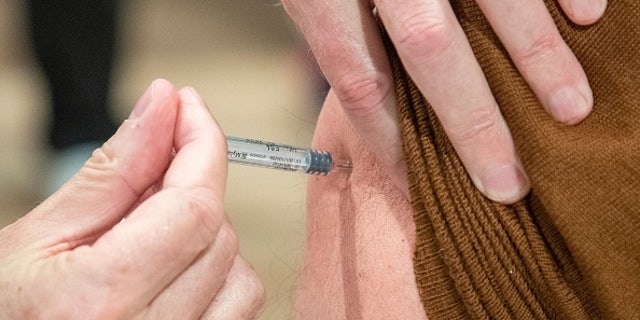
344	165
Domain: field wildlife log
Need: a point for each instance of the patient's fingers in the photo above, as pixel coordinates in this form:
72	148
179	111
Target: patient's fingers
542	57
435	51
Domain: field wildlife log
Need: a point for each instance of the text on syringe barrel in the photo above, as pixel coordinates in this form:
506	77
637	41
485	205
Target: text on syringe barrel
278	156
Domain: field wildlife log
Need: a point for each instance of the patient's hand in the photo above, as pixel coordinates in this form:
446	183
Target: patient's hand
360	235
435	51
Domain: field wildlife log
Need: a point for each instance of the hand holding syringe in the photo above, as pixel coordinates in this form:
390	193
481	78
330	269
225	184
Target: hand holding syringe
282	157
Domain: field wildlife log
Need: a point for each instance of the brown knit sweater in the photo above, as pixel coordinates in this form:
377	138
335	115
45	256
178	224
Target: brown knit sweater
571	250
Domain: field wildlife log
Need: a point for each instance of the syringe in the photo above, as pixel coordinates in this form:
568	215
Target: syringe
279	156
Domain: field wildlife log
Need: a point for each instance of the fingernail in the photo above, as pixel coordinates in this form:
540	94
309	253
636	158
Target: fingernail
506	184
143	102
568	106
587	12
192	97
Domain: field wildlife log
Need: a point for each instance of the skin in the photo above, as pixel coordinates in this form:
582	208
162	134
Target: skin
345	39
361	235
358	260
137	233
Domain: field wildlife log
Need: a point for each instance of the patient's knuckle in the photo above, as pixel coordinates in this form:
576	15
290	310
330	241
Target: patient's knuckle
425	36
542	48
362	94
478	126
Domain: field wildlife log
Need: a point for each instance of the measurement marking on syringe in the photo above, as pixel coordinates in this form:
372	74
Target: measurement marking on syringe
281	156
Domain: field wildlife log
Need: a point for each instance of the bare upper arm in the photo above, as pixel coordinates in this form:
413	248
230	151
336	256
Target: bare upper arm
360	236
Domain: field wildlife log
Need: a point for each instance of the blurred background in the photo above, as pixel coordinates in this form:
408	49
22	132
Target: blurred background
248	62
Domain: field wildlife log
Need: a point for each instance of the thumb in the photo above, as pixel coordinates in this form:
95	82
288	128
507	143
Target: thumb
116	175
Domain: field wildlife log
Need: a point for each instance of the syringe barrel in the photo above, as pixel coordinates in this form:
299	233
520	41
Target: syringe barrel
278	156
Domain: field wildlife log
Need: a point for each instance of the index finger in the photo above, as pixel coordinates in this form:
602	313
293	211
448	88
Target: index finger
201	148
163	236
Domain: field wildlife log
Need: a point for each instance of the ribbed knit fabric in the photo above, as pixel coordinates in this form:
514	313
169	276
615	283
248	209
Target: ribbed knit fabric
571	249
